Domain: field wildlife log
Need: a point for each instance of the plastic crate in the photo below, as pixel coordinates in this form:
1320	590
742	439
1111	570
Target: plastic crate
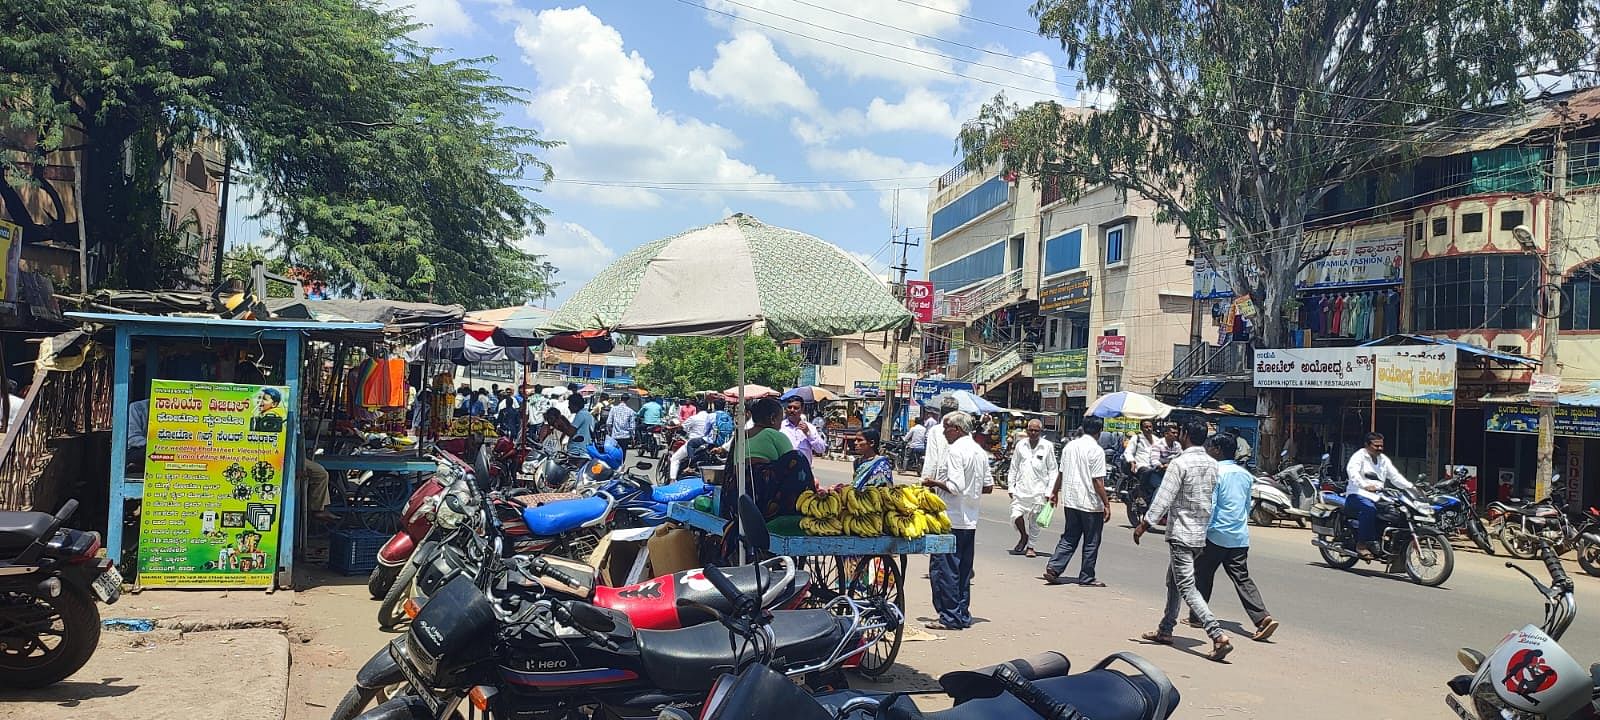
354	552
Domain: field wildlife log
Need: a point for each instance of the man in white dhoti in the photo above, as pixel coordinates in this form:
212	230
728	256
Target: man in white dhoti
1032	475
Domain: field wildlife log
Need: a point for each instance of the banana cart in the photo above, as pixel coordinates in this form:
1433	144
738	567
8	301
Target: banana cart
864	569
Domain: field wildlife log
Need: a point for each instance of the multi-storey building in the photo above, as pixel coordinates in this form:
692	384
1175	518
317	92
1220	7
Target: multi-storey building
1045	303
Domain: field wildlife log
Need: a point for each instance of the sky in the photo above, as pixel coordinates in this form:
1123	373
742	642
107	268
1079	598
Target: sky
832	117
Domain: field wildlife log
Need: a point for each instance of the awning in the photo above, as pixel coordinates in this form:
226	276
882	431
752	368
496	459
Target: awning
1409	339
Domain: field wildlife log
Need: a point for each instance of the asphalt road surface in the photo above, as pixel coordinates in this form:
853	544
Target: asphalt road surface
1353	644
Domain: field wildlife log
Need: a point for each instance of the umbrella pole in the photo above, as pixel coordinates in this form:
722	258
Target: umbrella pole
741	452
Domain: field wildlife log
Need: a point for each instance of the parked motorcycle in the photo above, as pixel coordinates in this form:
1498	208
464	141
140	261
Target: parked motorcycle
1456	512
1522	524
1408	537
511	651
1287	495
1036	687
50	578
1529	675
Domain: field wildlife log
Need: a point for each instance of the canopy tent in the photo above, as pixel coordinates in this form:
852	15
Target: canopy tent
514	326
465	348
732	278
1129	405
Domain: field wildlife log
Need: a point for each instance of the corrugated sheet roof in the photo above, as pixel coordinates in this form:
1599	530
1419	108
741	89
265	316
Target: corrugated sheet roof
1407	339
1492	127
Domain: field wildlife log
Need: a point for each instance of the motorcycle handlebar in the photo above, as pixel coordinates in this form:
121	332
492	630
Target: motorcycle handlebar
1034	698
723	585
1552	564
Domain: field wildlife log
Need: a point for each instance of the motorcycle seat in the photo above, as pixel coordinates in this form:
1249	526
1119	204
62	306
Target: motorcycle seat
691	659
19	529
1100	694
680	491
559	517
653	604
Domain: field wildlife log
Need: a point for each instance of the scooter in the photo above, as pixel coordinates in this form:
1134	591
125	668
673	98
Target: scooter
1529	675
49	576
1288	495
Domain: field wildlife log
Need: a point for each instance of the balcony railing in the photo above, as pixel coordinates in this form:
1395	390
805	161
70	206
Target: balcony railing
1206	360
999	364
980	299
953	176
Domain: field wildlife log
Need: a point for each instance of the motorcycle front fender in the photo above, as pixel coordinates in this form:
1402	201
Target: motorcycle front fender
404	707
382	669
397	550
1593	537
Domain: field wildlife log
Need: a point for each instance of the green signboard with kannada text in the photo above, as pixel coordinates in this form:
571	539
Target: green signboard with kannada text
1064	364
213	484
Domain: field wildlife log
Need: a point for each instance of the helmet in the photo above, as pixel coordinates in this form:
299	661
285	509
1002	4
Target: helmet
612	454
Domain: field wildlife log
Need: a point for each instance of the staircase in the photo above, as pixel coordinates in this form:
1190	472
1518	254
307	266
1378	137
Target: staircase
1002	366
966	306
58	405
1206	362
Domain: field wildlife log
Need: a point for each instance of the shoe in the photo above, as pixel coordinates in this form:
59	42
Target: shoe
1219	650
1157	637
1032	554
1265	630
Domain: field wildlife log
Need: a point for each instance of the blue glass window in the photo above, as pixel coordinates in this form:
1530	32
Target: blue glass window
1062	251
975	202
1114	247
981	265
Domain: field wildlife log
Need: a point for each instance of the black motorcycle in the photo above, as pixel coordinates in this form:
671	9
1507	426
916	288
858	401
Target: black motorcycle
1456	511
1408	538
1017	690
49	581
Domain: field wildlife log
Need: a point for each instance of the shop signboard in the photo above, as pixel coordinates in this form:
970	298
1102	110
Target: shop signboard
924	391
1209	284
1356	262
888	375
11	253
1110	350
1421	375
213	484
1581	422
1109	383
1075	388
1069	296
808	375
865	388
919	299
1544	389
1053	390
1328	368
1063	364
958	338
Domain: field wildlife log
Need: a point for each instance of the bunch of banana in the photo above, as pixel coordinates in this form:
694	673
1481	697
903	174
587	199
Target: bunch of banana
864	525
913	511
930	502
904	498
825	527
829	503
903	526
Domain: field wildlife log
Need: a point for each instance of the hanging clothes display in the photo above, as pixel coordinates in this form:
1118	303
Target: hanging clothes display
1361	315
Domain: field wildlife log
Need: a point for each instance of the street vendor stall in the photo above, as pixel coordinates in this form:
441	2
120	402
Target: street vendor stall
217	425
723	280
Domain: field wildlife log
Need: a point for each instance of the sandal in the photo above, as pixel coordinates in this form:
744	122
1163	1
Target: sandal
1032	554
1158	638
1219	650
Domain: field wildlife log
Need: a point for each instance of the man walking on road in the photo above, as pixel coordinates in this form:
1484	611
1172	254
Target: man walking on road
1185	498
1032	477
1081	489
962	479
1228	537
619	421
933	456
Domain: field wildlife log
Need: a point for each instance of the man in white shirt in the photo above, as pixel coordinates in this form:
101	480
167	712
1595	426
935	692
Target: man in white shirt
695	429
1030	480
1365	475
1081	489
916	444
962	479
933	456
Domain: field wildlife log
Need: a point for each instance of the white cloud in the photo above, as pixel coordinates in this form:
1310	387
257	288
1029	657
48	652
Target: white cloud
863	163
443	17
575	251
856	48
594	95
748	72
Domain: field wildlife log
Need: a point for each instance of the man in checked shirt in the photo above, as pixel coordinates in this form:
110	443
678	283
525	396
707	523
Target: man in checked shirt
1185	498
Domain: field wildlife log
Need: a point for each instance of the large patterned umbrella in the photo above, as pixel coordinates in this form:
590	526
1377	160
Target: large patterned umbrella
725	279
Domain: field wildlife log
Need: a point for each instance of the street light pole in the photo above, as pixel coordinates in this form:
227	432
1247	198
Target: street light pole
1548	363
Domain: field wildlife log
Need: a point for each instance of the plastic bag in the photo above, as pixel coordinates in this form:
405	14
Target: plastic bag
1046	514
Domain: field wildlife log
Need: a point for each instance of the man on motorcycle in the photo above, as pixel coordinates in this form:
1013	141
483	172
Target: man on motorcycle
1367	471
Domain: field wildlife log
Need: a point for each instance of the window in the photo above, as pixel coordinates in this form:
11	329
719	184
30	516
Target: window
1053	334
195	171
1510	219
1062	251
819	352
1477	291
1580	299
1116	247
1583	163
1441	227
1472	222
974	268
975	202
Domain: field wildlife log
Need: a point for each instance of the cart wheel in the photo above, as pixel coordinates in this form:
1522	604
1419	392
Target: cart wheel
875	578
386	493
827	579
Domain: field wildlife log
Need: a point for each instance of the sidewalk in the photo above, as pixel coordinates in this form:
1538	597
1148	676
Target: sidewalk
212	654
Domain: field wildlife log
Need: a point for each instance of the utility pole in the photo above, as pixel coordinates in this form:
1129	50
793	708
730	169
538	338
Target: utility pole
1548	363
887	428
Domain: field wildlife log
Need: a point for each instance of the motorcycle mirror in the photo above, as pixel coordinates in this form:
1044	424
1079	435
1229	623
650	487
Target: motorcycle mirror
591	617
1470	659
752	526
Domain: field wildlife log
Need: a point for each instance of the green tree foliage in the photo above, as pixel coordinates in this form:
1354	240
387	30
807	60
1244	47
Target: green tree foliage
681	366
1237	118
389	171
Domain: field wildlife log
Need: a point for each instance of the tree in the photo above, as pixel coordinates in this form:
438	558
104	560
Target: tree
389	171
681	366
1237	118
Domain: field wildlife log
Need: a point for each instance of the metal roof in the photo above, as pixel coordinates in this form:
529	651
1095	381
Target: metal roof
1407	339
267	325
1588	396
1502	125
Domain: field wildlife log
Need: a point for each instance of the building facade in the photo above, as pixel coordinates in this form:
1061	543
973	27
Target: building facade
853	364
1045	303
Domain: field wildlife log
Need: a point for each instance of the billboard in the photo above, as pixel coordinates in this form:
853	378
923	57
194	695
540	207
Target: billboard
1332	368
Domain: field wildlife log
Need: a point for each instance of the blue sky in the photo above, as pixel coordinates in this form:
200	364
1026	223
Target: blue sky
675	113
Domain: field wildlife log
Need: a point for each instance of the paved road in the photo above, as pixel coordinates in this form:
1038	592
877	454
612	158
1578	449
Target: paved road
1353	644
